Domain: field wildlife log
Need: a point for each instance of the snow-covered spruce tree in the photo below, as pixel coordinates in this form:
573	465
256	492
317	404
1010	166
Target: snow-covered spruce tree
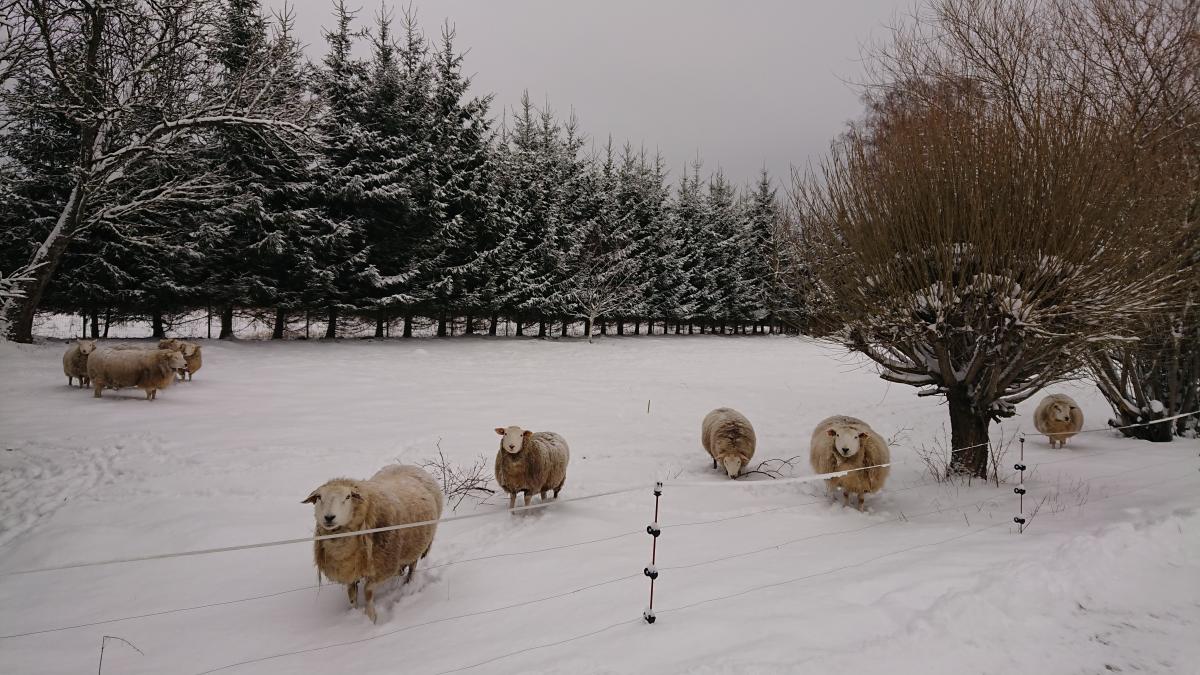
727	255
642	198
542	183
979	260
467	227
137	80
764	256
603	279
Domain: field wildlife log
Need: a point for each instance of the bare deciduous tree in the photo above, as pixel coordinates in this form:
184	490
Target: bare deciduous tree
981	232
139	81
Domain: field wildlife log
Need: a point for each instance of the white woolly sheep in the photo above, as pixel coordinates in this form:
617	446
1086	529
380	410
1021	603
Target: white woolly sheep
531	462
842	443
729	439
396	495
1059	417
75	362
147	369
191	355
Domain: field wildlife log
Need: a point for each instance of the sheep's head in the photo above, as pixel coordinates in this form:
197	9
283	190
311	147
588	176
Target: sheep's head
334	505
168	343
733	465
846	440
1060	411
87	347
173	359
190	349
512	438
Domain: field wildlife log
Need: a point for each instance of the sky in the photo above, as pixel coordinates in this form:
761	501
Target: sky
741	84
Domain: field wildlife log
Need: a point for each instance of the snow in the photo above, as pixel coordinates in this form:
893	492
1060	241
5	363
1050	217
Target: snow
754	577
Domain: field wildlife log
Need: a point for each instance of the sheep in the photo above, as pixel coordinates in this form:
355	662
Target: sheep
396	495
75	362
147	369
191	355
840	443
728	438
531	462
1059	417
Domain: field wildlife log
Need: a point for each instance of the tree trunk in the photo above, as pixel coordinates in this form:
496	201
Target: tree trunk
566	327
968	436
492	326
209	322
108	322
307	323
542	328
96	324
468	325
620	326
226	323
603	327
331	327
691	328
520	328
379	318
408	319
280	322
19	312
441	330
156	324
587	328
637	327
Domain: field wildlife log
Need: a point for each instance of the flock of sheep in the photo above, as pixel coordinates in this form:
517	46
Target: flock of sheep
130	365
536	462
526	463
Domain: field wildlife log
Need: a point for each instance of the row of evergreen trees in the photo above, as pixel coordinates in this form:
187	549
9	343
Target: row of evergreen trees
412	203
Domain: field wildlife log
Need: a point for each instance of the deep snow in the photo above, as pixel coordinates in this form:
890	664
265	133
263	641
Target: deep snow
755	576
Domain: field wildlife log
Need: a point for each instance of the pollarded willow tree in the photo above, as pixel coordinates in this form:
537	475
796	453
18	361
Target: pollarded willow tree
979	259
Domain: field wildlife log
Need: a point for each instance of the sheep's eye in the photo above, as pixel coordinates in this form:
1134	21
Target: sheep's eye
347	497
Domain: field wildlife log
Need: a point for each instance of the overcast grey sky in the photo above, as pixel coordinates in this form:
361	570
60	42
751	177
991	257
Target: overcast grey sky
744	83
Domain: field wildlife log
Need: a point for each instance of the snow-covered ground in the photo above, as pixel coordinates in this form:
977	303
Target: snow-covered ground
755	576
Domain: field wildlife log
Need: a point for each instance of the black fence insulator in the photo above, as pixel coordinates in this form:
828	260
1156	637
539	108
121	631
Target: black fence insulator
1019	520
1019	467
651	572
653	530
648	615
1019	490
658	489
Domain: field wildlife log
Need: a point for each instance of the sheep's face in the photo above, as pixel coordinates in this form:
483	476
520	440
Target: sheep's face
512	438
733	465
334	505
87	347
846	440
189	350
175	360
1060	411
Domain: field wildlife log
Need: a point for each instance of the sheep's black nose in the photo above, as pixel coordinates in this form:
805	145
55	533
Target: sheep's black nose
329	519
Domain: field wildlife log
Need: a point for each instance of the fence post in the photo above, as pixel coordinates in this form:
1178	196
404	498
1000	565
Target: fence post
651	571
1020	490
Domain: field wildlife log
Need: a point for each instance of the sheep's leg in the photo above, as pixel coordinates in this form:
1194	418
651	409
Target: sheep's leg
528	497
861	499
70	383
714	462
412	567
845	498
512	501
352	593
542	494
98	386
369	600
558	489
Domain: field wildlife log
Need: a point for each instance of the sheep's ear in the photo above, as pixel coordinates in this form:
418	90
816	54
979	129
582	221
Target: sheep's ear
527	434
356	495
831	432
500	431
311	498
863	435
